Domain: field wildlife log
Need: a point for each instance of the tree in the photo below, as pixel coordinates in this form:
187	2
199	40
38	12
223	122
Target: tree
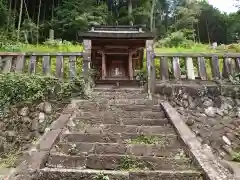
67	17
20	19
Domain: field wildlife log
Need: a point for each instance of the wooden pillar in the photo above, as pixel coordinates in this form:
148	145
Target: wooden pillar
87	46
130	65
103	66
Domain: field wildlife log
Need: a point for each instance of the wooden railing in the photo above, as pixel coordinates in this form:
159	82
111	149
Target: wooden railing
46	63
195	66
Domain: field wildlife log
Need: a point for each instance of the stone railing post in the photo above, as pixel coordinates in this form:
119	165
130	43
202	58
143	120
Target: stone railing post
150	67
87	46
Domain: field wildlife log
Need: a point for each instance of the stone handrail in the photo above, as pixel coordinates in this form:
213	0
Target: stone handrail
196	65
27	62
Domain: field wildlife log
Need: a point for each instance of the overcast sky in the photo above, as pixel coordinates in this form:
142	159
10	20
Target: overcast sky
224	5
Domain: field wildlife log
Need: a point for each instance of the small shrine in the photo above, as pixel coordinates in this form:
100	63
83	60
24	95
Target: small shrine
117	52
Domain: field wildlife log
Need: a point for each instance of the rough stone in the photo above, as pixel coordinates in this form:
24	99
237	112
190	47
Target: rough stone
190	122
208	102
40	107
2	143
24	112
226	140
210	111
35	125
47	108
41	117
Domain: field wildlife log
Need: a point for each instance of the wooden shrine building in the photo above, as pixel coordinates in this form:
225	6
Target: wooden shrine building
116	52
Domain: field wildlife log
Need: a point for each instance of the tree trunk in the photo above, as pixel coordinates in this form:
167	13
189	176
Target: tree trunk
53	9
152	14
19	20
9	15
25	4
38	19
130	11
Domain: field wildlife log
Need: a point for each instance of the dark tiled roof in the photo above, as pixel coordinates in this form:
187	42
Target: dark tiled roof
117	32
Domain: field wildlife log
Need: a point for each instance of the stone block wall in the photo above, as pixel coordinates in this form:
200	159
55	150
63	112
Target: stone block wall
23	124
210	109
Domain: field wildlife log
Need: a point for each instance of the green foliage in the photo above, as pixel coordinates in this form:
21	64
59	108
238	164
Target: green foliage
235	79
78	15
175	39
127	163
199	20
20	88
142	139
101	176
236	156
3	12
142	76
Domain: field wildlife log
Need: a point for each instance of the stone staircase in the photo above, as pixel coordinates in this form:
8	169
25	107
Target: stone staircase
119	135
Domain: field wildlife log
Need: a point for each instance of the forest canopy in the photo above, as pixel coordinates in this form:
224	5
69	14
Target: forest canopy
31	20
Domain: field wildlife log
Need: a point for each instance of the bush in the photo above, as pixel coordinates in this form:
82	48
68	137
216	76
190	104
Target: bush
21	88
175	39
229	48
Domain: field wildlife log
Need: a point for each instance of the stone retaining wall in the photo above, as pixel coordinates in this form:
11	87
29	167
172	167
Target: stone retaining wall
23	124
210	109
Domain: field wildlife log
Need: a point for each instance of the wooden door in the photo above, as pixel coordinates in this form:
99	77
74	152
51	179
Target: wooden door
117	68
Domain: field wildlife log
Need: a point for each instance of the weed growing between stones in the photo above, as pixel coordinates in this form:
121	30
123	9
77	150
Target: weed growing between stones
236	156
180	155
73	150
101	176
143	139
128	164
9	159
235	79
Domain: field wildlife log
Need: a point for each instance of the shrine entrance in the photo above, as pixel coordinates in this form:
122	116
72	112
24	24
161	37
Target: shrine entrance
117	67
117	52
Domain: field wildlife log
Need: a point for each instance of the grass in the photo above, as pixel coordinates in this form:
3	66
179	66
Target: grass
196	48
236	157
43	48
129	164
142	139
101	176
9	160
201	48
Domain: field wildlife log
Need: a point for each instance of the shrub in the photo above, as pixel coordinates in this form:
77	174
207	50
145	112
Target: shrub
20	88
175	39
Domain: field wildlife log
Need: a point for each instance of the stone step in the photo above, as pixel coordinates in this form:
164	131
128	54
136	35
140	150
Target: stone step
107	102
136	101
120	114
89	174
88	105
118	96
4	172
104	106
119	162
118	90
106	93
145	122
145	107
117	138
123	121
115	128
162	149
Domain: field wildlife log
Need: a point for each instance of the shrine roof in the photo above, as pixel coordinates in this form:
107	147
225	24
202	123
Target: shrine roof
118	32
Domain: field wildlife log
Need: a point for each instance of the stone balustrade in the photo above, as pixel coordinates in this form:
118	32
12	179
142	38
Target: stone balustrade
48	62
